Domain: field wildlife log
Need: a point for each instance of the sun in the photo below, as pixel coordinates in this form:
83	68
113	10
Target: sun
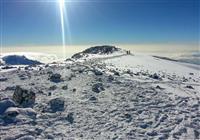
61	3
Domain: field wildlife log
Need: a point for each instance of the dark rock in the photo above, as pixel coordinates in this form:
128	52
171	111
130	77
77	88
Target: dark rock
49	94
57	104
55	78
23	97
54	87
152	133
3	79
10	88
96	50
144	125
6	103
155	76
110	78
97	72
128	117
158	87
93	98
7	67
189	86
116	73
98	87
70	118
74	90
65	87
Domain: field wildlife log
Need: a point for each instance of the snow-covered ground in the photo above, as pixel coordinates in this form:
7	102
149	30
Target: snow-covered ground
114	97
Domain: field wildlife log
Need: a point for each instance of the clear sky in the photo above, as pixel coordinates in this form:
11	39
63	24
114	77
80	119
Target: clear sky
37	22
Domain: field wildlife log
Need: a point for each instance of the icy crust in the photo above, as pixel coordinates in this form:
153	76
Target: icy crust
95	101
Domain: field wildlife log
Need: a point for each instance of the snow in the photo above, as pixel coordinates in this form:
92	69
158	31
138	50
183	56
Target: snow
139	62
41	57
132	102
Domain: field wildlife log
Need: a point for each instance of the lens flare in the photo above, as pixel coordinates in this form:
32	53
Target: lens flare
62	12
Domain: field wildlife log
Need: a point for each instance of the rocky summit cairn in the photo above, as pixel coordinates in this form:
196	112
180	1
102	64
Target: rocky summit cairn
23	97
55	78
57	104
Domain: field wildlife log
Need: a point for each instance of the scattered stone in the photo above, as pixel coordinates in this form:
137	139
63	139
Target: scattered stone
93	98
57	104
65	87
189	86
49	94
152	133
158	87
24	97
6	103
144	125
55	78
74	90
116	73
98	87
3	79
110	78
155	76
191	73
97	72
7	67
128	117
10	88
54	87
70	118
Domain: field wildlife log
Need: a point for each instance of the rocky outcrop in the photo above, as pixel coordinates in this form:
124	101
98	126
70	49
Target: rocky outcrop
105	49
57	104
24	97
19	60
55	78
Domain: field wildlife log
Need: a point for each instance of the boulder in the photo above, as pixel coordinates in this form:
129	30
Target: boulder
55	78
57	104
6	103
70	118
23	97
155	76
98	87
97	72
3	79
65	87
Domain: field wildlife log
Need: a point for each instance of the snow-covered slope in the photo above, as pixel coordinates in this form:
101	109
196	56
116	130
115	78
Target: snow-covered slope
140	62
117	97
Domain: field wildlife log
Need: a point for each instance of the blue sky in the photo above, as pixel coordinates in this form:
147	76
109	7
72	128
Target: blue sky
36	22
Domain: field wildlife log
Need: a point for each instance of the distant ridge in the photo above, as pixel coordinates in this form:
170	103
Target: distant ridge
104	49
19	60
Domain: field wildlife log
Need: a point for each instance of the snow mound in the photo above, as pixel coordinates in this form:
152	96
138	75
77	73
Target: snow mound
100	50
19	60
